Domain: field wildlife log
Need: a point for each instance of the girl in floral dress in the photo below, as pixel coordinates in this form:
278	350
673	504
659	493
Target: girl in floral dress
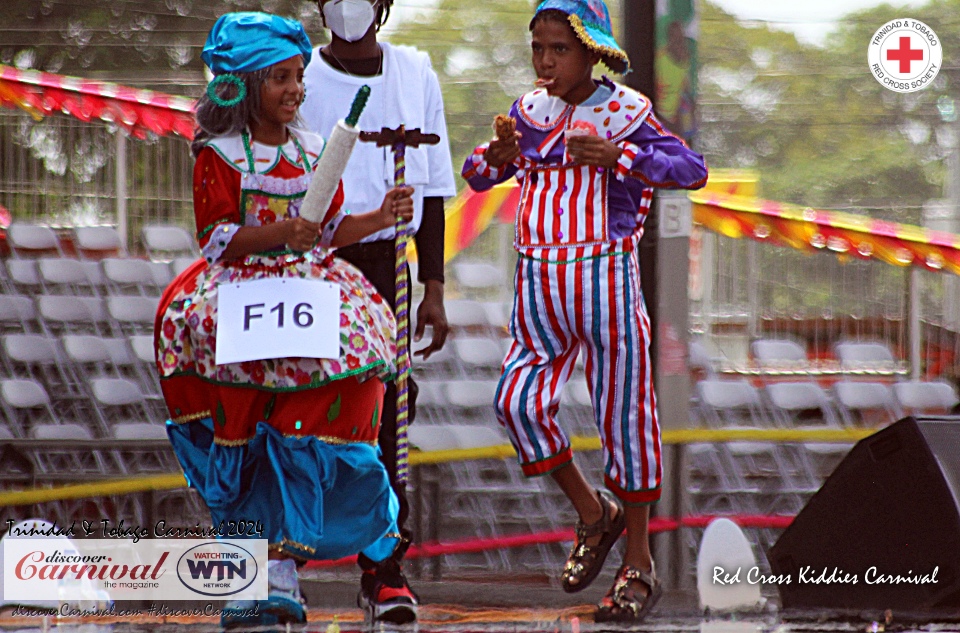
290	443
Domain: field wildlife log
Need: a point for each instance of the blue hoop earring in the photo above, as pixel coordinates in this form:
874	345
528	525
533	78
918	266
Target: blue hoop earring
226	79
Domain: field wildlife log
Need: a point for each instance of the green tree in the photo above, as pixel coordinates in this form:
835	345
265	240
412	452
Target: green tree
814	122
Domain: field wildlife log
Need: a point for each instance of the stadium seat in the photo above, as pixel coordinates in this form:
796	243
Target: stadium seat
24	276
166	242
801	403
25	403
126	276
866	403
32	240
133	315
120	401
97	242
478	275
62	314
479	356
926	397
65	276
180	264
18	314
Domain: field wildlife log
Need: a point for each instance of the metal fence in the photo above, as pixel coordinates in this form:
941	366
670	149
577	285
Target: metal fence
63	172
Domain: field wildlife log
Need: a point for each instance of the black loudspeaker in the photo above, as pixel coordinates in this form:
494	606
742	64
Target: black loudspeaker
883	532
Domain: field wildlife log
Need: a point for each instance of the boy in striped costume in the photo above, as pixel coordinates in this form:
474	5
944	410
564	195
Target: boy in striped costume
587	154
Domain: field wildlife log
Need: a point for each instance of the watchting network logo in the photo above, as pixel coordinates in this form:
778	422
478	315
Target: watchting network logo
905	55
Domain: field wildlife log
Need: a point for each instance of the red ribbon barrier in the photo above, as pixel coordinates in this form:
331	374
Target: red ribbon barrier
472	546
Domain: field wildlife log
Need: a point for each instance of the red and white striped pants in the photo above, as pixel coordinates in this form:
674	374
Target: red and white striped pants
595	304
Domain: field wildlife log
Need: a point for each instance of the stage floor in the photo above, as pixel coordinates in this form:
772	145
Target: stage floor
480	605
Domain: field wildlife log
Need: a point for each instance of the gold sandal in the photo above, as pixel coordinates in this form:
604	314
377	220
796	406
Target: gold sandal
622	604
585	561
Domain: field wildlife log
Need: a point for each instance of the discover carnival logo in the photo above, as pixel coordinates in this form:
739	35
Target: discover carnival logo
124	569
217	569
905	55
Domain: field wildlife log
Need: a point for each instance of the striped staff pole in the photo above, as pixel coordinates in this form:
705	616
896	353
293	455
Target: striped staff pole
399	139
403	317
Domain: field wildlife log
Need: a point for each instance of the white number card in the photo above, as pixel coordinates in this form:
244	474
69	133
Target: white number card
277	318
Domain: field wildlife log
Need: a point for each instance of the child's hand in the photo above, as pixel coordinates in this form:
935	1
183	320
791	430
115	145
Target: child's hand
302	235
503	151
398	203
593	150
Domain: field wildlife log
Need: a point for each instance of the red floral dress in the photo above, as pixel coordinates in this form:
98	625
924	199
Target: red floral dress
291	419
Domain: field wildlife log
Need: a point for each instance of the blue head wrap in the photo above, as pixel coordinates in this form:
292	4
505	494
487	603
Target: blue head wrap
245	42
591	22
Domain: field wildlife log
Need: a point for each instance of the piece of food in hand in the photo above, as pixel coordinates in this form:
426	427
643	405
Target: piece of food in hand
582	128
504	126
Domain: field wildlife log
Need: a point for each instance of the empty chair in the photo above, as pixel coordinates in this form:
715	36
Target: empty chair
165	242
134	315
772	350
62	457
699	361
863	357
726	403
866	403
162	275
120	401
464	315
32	240
478	275
471	397
61	275
144	357
25	402
440	363
780	356
18	313
799	403
98	357
24	276
926	397
135	456
37	357
430	401
125	275
97	242
478	355
63	314
498	315
180	264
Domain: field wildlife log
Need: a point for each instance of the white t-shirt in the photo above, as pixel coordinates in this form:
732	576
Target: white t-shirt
407	92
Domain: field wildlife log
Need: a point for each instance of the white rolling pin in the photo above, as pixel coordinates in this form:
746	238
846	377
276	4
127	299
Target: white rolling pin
333	161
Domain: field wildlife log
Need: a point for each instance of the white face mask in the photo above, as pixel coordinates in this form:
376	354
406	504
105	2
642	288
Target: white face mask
349	19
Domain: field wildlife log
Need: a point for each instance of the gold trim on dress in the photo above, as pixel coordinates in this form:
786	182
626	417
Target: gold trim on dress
191	417
222	442
329	439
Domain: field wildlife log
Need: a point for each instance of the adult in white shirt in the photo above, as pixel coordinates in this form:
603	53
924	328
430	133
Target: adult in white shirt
404	90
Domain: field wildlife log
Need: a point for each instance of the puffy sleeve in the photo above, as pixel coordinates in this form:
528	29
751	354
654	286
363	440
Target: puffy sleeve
216	203
659	159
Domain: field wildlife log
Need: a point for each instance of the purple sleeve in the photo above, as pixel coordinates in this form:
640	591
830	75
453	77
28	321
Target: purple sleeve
481	176
659	159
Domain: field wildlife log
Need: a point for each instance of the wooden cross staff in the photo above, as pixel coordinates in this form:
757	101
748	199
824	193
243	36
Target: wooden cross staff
399	139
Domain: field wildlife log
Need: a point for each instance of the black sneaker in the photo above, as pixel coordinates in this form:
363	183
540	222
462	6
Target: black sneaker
386	596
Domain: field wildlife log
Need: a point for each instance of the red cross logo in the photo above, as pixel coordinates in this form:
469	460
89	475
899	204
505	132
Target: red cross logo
905	55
